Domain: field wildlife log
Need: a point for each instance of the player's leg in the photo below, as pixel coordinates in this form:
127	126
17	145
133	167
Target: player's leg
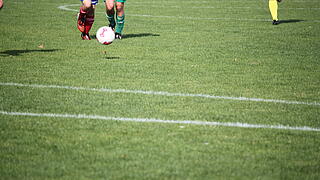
120	18
86	17
116	23
1	4
86	4
110	13
89	19
273	7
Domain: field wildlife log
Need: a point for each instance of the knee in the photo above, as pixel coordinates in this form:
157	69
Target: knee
87	5
119	6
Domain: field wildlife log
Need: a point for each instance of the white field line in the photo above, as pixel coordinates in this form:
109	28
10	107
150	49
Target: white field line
161	93
199	2
217	7
197	18
67	8
146	120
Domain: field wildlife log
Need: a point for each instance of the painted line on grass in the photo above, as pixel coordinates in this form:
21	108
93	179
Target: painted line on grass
147	120
198	18
217	7
160	93
67	8
197	2
212	19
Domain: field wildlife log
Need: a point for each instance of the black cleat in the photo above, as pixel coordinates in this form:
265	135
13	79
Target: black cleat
275	22
118	35
85	36
279	0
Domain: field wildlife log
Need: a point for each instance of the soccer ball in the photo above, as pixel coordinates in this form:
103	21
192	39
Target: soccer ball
105	35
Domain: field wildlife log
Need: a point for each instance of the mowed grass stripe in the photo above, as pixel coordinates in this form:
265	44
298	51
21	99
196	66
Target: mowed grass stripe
147	120
161	93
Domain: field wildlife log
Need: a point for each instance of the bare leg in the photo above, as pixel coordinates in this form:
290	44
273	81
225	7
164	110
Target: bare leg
1	4
86	19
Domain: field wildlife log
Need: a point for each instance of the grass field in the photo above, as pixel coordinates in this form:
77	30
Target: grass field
73	109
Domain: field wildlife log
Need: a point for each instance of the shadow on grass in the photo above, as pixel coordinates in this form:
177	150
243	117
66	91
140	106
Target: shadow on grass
93	37
139	35
19	52
291	21
125	36
111	58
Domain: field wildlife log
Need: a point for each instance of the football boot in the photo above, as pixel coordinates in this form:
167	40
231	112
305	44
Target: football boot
85	36
275	22
118	36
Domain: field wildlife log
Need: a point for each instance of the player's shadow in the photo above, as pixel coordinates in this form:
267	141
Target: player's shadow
125	36
290	21
139	35
20	52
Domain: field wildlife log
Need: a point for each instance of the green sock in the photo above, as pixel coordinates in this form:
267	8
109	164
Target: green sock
120	24
111	20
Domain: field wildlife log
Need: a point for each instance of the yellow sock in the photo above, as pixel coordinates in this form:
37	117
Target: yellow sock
273	7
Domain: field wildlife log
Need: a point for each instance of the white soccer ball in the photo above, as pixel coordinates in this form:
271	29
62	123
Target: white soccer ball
105	35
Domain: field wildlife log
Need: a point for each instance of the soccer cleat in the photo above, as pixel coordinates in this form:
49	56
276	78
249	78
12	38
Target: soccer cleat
80	22
275	22
279	0
118	36
85	36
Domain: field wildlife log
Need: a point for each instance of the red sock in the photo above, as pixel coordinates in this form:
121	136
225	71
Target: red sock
81	19
89	19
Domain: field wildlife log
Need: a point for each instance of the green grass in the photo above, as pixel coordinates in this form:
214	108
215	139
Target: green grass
236	53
